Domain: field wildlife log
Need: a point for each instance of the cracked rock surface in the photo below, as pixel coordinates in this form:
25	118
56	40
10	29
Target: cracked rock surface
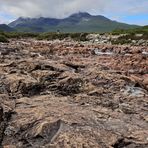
60	94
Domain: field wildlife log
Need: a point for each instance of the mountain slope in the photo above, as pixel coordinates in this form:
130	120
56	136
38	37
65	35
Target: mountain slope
79	22
6	28
140	30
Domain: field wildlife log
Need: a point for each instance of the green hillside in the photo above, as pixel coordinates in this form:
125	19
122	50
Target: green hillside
79	22
6	28
139	30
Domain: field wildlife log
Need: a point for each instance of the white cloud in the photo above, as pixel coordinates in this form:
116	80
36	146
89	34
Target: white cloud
63	8
48	8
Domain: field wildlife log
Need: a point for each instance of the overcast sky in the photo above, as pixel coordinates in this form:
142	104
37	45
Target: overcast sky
128	11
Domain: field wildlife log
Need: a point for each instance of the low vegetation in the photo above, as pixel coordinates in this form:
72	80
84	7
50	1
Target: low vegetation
18	35
127	36
44	36
61	36
139	30
3	39
120	41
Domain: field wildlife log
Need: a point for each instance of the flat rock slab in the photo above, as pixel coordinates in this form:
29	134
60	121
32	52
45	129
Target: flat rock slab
64	95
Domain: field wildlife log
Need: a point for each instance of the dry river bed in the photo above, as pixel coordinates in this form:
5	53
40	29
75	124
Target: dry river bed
66	94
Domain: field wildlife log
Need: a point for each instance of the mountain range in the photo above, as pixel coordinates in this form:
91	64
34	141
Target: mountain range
4	27
78	22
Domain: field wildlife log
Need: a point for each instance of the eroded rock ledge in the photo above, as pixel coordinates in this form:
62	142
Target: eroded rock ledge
73	95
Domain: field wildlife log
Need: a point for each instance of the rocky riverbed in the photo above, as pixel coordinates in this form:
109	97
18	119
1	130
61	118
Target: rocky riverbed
67	94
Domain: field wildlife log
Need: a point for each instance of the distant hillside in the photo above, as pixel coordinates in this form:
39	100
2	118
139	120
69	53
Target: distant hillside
6	28
79	22
139	30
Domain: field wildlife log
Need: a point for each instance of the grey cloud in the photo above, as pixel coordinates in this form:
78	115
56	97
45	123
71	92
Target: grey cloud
49	8
63	8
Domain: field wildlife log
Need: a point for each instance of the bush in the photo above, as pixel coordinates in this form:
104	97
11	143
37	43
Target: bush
61	36
20	35
121	41
79	36
47	36
3	39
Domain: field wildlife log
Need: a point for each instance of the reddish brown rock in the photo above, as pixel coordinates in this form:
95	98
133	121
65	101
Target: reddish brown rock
63	94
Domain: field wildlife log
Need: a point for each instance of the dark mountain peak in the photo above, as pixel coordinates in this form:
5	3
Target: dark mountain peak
80	15
18	21
77	22
21	18
4	27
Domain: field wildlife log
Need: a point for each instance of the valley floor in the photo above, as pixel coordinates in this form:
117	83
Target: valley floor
67	94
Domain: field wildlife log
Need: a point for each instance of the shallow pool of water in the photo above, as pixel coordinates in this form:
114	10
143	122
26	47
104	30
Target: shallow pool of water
99	52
